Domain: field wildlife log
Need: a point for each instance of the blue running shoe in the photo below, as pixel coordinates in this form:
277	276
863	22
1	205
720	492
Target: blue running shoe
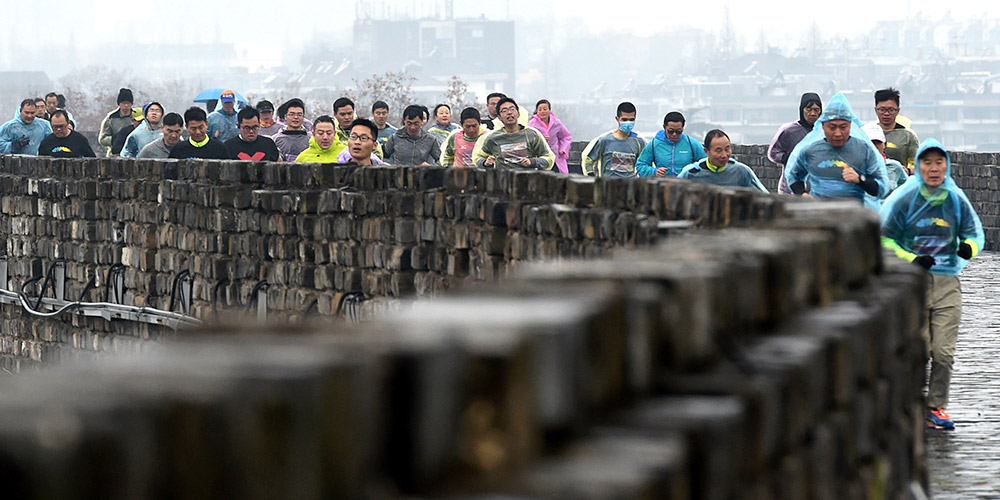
938	419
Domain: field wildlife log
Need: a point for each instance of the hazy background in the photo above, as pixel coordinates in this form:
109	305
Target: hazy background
737	65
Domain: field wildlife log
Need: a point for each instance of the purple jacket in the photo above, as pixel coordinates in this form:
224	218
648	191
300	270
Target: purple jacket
781	148
558	137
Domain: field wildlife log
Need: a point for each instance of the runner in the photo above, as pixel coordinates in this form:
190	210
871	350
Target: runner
837	158
790	134
670	150
513	145
614	154
458	147
555	133
929	221
719	167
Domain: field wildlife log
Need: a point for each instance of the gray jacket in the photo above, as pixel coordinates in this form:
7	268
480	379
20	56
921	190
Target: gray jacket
402	149
155	149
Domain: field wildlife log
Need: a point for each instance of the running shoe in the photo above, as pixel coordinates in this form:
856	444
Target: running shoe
938	419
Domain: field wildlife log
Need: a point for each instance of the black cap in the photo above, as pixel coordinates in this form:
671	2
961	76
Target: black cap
265	106
124	95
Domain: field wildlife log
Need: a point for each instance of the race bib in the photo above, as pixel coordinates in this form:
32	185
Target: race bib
514	152
623	163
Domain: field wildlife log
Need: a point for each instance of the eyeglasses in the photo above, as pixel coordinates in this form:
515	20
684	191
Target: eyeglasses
294	114
675	131
886	111
362	138
250	128
508	111
59	127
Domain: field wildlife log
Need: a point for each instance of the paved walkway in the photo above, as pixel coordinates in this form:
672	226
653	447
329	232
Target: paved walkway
965	463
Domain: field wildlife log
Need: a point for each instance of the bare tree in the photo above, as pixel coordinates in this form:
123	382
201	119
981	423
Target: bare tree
395	88
457	95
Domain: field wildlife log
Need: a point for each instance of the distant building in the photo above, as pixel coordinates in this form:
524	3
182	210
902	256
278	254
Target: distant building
479	51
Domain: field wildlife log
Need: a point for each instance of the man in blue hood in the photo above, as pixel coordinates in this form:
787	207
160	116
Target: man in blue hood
23	134
837	158
670	150
929	221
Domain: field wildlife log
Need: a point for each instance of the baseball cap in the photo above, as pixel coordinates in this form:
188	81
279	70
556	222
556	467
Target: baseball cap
265	107
227	96
137	114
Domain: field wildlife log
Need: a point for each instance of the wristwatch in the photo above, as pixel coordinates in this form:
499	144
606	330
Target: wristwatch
861	178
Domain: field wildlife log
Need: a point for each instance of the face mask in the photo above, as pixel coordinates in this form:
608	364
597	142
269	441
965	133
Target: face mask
626	127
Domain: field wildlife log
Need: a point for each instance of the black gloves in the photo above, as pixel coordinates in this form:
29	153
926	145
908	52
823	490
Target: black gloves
797	187
20	143
924	261
965	251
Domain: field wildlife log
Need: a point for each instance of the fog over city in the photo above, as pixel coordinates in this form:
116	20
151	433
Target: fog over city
737	65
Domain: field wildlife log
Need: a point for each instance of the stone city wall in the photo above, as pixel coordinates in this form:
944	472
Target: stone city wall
591	339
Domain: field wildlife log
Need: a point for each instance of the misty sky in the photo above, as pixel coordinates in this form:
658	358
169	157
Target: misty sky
274	23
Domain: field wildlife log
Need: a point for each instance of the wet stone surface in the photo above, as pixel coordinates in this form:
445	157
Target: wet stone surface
965	463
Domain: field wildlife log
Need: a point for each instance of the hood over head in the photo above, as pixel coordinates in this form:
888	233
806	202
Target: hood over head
807	99
928	145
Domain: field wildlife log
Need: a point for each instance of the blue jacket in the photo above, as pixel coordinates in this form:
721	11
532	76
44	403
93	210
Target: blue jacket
663	153
223	123
138	140
15	129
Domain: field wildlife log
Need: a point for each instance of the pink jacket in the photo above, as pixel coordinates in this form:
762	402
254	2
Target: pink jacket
557	136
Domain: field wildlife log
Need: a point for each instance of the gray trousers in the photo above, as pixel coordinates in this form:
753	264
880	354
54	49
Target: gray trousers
944	313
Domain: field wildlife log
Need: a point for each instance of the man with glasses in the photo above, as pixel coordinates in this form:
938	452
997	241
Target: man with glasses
249	144
361	140
293	138
901	143
147	132
64	142
614	154
513	146
670	150
173	125
410	145
791	133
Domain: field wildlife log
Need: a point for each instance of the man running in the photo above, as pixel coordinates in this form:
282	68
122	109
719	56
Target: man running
514	145
929	221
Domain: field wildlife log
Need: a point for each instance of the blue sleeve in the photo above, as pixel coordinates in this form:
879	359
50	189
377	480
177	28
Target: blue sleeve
875	169
754	181
130	150
796	170
214	125
684	171
697	150
5	139
971	226
644	164
596	151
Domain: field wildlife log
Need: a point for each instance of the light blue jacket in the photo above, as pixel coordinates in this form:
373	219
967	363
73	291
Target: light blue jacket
138	140
660	152
223	123
15	129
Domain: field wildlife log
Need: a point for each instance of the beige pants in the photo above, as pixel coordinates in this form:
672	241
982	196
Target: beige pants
944	312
